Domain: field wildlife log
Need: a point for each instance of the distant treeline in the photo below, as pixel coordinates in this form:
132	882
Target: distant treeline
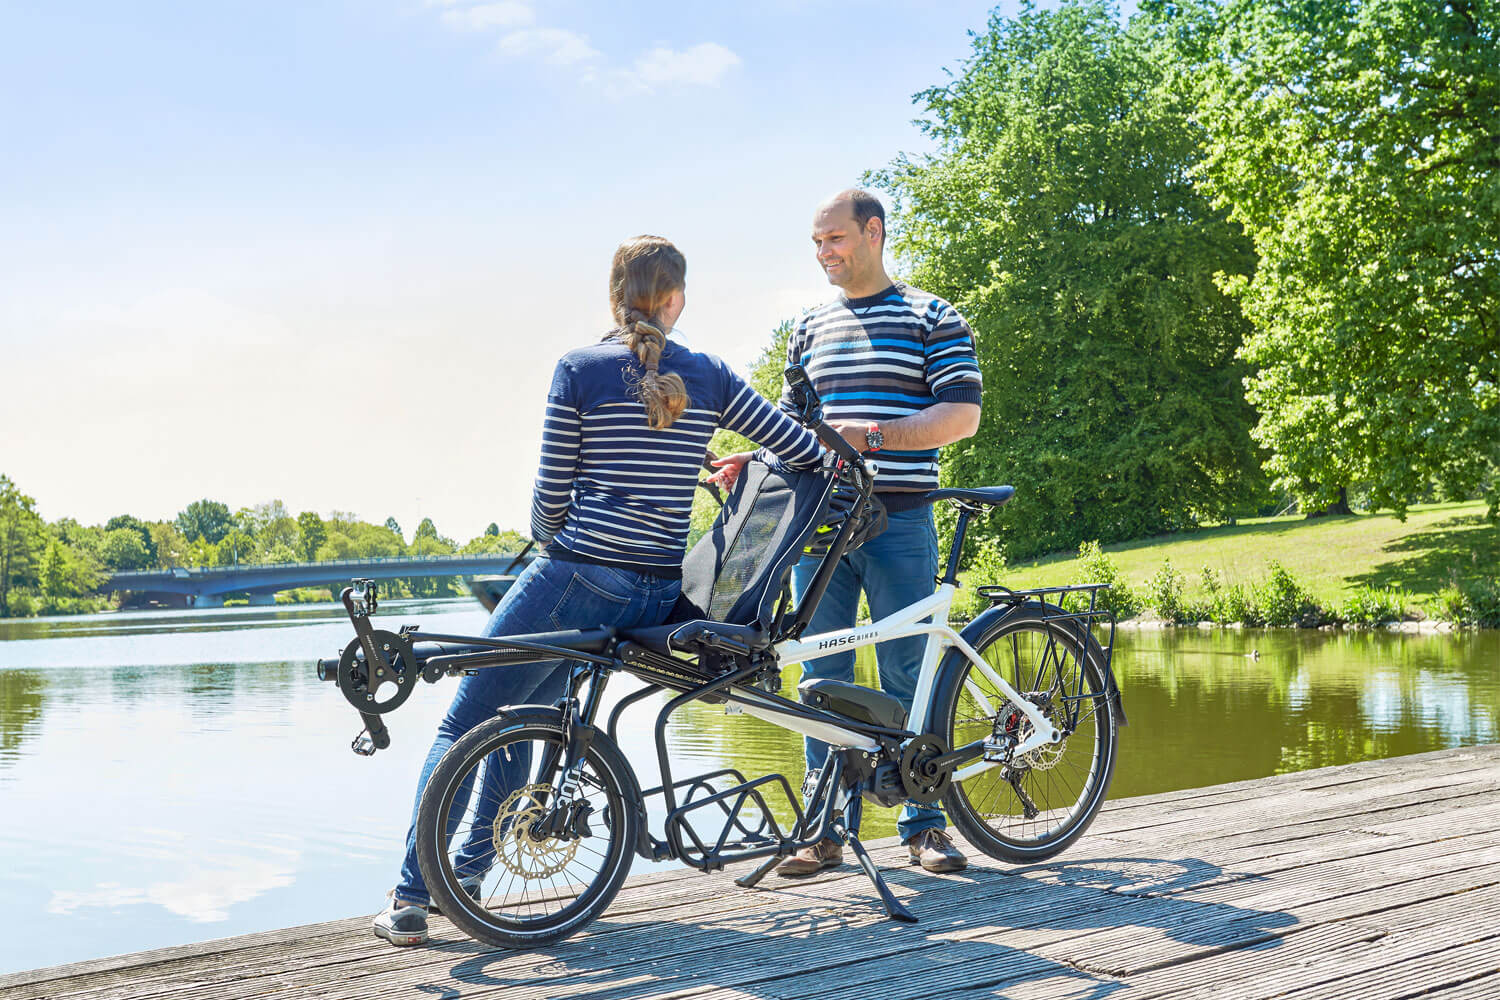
53	568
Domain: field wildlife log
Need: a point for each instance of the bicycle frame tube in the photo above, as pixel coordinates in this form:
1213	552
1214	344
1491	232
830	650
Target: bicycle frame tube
940	636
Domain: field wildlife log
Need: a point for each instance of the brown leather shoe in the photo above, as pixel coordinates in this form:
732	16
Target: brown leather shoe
935	851
810	860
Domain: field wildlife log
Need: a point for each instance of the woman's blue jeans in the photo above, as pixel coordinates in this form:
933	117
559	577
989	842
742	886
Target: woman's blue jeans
894	569
551	594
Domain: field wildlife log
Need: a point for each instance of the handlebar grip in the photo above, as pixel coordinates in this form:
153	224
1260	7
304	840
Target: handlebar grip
836	444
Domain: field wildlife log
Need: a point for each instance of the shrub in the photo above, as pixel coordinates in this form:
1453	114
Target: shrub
1469	602
1118	599
1372	606
1237	603
1285	602
1164	594
1204	607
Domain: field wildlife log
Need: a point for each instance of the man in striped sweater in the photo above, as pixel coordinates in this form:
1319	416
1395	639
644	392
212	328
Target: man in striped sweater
898	376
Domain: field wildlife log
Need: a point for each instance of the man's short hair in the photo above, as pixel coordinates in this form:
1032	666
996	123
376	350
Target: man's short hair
865	207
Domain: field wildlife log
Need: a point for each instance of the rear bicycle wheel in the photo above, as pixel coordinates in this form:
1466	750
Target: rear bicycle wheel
1031	807
488	864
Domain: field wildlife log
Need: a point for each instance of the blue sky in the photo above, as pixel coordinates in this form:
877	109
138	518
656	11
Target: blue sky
328	252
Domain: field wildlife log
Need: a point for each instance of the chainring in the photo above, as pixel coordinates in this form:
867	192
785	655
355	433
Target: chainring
922	781
517	850
364	691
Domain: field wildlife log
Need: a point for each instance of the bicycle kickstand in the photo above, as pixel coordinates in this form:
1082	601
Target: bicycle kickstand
893	906
751	879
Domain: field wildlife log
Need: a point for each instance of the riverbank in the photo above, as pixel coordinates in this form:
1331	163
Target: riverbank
1440	565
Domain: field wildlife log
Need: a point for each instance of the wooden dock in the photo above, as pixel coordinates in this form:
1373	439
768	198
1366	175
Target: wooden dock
1372	880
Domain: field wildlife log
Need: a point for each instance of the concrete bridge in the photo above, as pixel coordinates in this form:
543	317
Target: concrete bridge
207	587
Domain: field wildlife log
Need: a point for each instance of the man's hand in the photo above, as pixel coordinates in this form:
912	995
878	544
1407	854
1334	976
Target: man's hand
853	431
729	470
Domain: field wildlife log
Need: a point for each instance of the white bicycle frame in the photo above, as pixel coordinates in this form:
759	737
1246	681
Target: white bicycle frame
902	624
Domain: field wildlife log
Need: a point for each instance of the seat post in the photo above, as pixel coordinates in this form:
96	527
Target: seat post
951	575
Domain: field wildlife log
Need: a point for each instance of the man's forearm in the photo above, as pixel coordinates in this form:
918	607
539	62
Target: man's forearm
937	425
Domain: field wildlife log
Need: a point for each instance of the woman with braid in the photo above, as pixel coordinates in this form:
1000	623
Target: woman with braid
627	425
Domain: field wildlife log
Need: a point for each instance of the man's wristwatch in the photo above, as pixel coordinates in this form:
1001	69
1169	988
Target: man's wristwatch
874	440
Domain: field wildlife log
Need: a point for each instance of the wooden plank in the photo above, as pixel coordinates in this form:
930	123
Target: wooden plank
1309	884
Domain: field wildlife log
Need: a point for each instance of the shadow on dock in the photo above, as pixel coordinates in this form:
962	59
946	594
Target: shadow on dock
797	949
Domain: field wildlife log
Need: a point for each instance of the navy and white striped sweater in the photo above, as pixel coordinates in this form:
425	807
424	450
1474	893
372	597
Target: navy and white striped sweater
884	356
612	490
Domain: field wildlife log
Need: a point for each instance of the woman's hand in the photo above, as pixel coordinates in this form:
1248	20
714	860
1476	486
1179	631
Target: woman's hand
729	469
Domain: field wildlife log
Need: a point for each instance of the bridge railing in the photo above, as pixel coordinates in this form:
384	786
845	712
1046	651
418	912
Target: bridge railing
456	560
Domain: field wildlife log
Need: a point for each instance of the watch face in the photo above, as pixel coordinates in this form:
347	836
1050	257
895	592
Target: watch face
874	440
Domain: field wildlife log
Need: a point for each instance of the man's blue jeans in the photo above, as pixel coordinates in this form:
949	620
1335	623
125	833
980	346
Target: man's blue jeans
895	569
551	594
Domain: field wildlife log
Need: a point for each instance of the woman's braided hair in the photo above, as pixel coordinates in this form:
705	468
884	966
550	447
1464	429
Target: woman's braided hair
646	270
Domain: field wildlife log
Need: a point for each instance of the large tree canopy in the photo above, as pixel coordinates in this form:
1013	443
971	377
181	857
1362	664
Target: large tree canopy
1358	143
206	519
1059	215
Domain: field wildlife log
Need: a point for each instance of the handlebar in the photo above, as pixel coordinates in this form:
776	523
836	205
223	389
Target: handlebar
809	409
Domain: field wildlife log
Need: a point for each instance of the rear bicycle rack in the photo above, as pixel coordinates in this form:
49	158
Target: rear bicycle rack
1066	604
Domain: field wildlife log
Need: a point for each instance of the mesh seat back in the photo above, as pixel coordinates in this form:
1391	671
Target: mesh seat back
737	570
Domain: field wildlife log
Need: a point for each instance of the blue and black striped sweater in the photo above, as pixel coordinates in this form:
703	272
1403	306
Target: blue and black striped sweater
612	490
885	356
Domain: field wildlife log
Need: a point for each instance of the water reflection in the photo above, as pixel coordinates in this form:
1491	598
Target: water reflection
162	784
21	697
1207	707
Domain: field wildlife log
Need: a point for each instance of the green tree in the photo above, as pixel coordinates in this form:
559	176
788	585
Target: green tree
124	550
1358	143
507	541
394	525
1059	215
53	577
139	527
205	519
235	548
350	538
492	530
21	538
67	572
313	535
170	547
272	525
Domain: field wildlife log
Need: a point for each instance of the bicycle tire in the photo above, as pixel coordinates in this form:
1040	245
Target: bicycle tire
1016	642
498	921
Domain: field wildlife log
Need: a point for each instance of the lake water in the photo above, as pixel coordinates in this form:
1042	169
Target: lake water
168	777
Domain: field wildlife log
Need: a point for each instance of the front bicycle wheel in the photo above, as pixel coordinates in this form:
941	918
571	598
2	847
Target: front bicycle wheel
1029	808
503	857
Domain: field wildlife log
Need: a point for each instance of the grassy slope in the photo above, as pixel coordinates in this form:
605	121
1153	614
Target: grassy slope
1330	555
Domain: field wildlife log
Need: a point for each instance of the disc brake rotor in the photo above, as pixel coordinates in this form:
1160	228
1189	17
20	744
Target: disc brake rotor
1044	757
517	850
